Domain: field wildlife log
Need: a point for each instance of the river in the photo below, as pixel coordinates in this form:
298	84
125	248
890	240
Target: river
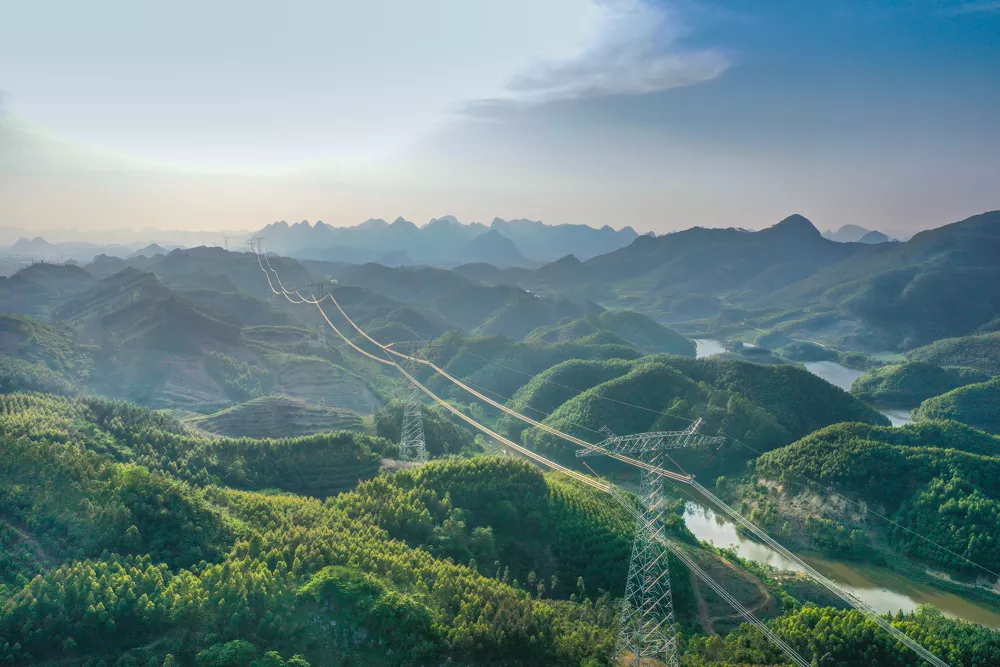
834	373
884	590
843	377
706	347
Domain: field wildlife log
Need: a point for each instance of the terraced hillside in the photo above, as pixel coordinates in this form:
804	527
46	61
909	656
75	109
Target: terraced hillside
279	417
320	382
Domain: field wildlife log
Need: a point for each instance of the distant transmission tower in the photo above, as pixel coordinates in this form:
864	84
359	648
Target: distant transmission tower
647	632
412	446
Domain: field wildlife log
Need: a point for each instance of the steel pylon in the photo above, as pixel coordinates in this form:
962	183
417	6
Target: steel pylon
647	628
412	446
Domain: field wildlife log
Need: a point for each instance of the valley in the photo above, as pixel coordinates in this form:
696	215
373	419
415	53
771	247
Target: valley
256	402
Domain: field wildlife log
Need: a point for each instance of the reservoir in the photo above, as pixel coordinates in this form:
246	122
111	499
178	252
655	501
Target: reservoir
834	373
843	377
882	589
706	347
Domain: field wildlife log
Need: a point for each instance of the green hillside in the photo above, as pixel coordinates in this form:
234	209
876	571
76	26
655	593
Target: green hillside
40	288
981	352
909	384
557	385
116	291
524	313
319	382
137	542
916	475
761	406
103	516
501	365
631	327
53	346
941	283
170	324
443	435
18	375
484	310
278	417
977	405
636	402
234	305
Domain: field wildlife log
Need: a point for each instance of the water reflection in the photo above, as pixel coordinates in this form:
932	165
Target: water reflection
897	417
834	373
706	347
843	377
885	591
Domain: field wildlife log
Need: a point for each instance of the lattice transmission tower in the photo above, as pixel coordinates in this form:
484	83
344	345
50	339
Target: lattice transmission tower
647	632
412	446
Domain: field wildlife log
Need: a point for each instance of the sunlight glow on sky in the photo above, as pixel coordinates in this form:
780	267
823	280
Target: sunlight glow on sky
661	114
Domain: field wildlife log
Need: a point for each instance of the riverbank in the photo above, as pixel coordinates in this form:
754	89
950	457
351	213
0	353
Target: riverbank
889	588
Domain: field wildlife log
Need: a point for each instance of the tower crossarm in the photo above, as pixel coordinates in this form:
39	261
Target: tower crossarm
640	443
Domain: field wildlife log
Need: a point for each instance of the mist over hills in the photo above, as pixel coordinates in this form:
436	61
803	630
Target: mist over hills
869	296
277	408
444	241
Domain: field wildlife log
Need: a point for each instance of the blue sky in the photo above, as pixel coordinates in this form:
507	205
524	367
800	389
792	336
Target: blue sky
660	114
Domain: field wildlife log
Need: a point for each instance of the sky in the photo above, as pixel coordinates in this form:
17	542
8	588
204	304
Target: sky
660	114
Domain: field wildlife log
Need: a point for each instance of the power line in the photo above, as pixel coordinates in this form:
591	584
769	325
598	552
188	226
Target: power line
624	403
743	444
850	599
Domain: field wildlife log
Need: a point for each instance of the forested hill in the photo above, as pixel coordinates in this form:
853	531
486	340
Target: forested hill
501	309
255	532
907	385
137	544
936	479
941	283
712	260
901	295
977	405
758	407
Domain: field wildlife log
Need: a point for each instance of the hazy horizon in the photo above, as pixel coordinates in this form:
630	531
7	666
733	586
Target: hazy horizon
656	114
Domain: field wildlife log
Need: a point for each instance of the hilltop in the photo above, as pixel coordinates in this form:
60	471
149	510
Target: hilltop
281	480
938	464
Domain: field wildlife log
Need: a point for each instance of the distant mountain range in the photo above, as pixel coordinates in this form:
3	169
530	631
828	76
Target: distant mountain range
443	241
871	293
38	248
856	234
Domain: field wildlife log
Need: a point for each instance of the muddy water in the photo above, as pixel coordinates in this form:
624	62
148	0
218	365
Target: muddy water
885	591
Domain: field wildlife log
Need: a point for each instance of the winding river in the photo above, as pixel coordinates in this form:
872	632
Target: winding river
834	373
884	590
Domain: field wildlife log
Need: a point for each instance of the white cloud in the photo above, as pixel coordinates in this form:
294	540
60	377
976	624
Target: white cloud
235	83
981	7
635	49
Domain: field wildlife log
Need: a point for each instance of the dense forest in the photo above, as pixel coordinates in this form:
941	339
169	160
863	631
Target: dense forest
908	385
977	405
129	552
194	472
940	469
